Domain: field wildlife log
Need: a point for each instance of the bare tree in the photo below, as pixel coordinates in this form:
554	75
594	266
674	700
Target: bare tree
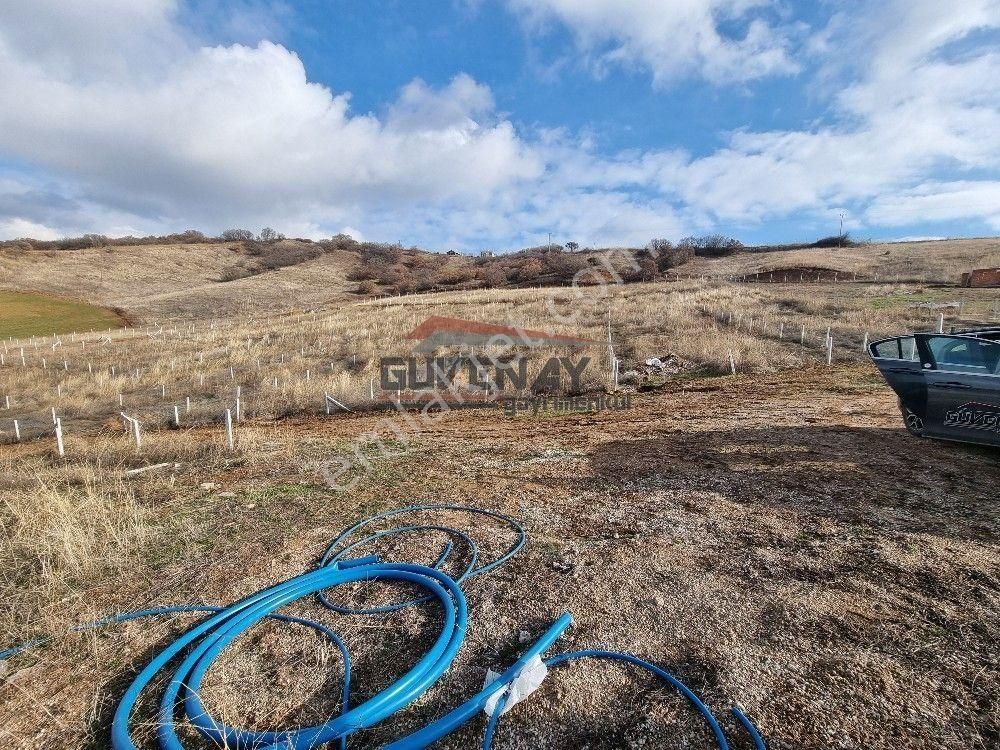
237	235
269	235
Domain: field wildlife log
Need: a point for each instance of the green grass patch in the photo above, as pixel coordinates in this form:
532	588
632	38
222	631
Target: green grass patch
25	314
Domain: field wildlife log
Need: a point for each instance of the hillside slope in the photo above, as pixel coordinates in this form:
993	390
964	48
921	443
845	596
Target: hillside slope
940	260
149	282
202	280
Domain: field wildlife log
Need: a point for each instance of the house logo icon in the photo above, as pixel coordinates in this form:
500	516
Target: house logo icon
439	331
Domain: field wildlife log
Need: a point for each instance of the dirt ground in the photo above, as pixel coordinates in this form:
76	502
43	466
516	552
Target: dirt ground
776	541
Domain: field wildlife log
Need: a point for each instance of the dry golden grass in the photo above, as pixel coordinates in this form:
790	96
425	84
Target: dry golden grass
154	282
283	364
942	261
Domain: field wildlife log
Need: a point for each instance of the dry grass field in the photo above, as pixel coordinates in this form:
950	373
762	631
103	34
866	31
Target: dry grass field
155	282
940	261
774	537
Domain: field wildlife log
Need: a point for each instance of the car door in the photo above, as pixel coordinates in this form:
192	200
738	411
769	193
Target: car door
963	388
898	359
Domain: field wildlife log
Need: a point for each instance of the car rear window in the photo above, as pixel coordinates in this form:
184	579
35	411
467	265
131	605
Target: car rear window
904	347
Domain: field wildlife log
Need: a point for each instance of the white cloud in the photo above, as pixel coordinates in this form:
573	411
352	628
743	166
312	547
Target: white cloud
130	124
15	228
913	114
675	39
939	201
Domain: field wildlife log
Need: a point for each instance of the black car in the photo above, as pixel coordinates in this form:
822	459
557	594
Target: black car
948	384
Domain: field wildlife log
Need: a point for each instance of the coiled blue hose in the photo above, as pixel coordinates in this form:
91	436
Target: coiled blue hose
203	643
341	546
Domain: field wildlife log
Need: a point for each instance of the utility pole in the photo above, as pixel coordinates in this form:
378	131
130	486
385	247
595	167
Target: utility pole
840	237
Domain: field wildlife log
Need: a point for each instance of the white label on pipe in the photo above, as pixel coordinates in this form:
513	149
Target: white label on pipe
527	681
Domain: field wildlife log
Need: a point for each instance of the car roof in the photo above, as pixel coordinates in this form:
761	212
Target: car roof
991	333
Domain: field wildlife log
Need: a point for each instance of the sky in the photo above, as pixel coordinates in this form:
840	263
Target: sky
489	124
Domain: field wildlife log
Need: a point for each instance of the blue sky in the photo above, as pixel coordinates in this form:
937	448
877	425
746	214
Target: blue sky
489	123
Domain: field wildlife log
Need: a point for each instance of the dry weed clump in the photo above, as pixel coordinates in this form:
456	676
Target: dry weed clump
61	529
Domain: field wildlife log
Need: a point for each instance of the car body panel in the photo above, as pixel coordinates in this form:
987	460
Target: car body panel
899	362
950	381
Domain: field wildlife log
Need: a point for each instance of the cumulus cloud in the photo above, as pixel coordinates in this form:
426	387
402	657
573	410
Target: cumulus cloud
124	121
915	111
16	228
673	40
939	201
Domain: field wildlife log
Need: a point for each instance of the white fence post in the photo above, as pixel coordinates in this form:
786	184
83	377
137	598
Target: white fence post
17	432
229	430
732	362
331	400
59	438
177	416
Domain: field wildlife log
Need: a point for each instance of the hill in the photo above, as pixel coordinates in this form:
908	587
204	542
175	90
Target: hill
213	278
